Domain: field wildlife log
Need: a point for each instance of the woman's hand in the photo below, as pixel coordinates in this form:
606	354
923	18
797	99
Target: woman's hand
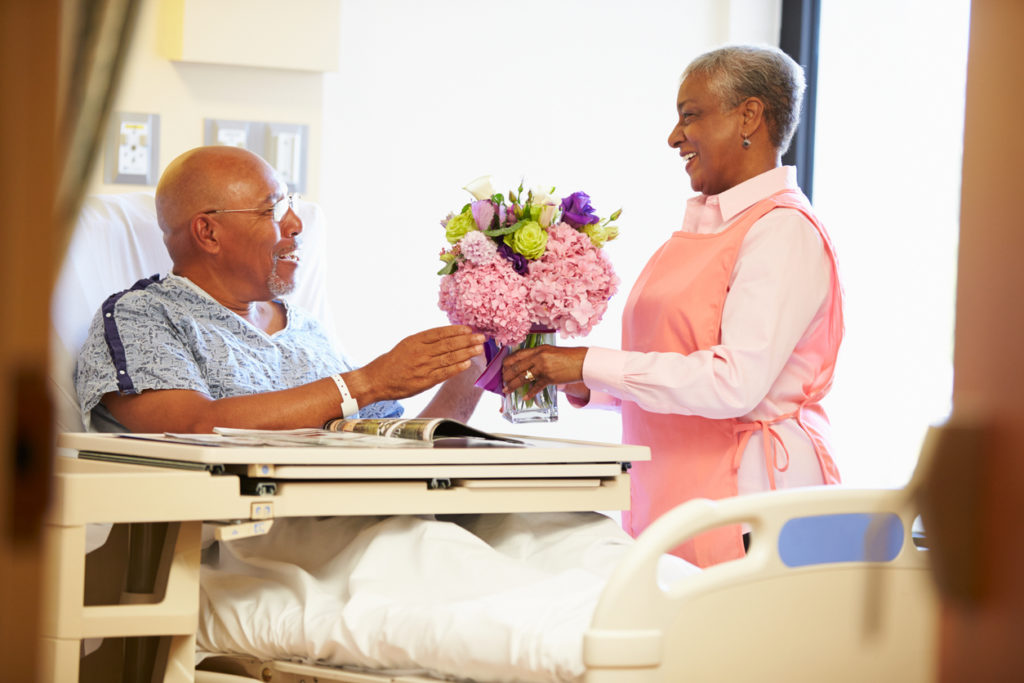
546	365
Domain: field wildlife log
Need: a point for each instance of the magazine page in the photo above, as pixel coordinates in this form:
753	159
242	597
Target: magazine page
417	428
227	436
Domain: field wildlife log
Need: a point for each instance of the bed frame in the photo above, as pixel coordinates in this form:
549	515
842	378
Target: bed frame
835	586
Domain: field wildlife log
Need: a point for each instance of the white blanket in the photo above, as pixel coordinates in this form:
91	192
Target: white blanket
481	597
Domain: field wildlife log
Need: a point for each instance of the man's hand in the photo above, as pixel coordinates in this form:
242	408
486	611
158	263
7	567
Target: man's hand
417	363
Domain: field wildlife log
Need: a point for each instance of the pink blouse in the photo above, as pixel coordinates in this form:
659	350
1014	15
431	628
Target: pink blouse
777	302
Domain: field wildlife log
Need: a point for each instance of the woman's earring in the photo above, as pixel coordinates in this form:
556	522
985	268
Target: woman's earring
746	142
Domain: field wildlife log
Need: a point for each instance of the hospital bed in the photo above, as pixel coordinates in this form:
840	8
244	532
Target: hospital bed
834	587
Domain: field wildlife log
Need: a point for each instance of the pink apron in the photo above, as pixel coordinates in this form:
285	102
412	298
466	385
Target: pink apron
676	306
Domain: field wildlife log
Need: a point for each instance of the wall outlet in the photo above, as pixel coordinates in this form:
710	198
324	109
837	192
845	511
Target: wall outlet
132	149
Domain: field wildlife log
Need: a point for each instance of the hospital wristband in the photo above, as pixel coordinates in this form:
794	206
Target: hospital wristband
349	405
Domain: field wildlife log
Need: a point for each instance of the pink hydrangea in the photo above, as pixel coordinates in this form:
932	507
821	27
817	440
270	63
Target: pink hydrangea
571	283
490	297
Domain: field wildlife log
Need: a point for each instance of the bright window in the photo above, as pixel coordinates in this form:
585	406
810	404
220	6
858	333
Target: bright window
888	143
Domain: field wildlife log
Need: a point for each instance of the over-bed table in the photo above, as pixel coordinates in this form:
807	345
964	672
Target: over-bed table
246	488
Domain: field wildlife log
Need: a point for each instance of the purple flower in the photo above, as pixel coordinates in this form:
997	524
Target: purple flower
577	211
519	262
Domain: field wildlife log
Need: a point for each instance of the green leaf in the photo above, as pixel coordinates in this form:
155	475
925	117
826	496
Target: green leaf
449	268
498	232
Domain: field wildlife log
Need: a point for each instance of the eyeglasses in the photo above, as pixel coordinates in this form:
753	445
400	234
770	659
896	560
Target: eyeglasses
277	211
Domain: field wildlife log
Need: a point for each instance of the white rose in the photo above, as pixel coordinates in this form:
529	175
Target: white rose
480	188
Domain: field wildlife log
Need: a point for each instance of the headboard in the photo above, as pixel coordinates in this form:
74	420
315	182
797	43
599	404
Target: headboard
115	242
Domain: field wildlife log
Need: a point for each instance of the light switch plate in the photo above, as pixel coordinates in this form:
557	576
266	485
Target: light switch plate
132	149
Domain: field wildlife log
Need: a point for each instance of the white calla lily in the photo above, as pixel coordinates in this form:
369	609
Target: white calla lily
480	188
540	196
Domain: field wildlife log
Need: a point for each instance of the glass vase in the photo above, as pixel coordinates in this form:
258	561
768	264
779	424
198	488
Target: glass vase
541	408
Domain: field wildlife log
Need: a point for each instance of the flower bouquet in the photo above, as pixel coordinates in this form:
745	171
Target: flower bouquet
520	268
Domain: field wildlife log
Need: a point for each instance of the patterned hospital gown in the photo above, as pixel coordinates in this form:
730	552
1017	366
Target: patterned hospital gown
169	334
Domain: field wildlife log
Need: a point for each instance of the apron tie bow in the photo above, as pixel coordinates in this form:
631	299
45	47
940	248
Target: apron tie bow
771	451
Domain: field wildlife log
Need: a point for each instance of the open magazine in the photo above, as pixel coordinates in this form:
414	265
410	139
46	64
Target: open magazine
422	432
418	428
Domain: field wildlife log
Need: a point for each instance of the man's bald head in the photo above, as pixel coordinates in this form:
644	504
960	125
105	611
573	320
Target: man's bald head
205	179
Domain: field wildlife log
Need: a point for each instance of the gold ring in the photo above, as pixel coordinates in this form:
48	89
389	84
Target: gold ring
528	376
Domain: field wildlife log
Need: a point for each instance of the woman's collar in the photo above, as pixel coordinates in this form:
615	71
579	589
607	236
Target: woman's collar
741	197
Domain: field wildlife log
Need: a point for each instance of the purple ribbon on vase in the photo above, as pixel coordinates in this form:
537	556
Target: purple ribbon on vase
490	379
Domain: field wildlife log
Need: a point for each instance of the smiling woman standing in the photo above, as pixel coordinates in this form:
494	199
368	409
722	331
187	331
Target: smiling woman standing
731	332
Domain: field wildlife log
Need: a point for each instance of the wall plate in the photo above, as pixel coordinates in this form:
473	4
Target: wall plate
283	145
226	132
132	149
285	149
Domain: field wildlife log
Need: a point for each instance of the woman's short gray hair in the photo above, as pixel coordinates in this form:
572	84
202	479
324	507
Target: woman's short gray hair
737	72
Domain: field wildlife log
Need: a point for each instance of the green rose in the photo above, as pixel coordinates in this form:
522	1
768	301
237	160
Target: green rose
529	240
458	226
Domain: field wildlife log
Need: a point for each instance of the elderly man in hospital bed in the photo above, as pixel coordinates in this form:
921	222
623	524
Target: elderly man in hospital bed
213	344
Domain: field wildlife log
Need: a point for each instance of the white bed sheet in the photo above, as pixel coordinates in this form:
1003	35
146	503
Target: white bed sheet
481	597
